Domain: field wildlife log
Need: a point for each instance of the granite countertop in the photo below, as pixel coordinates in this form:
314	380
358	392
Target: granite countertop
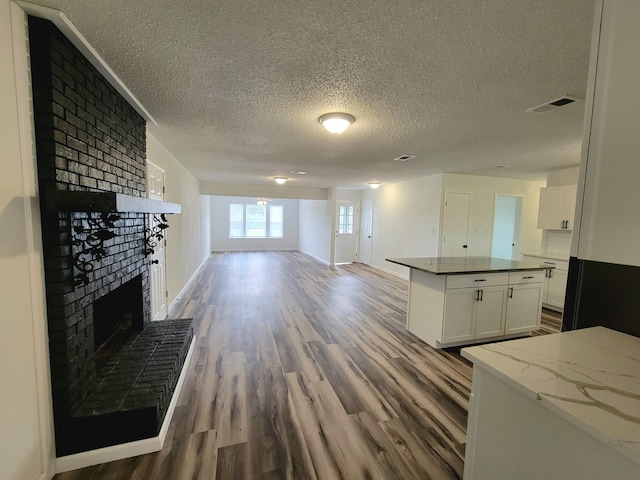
459	265
589	377
551	255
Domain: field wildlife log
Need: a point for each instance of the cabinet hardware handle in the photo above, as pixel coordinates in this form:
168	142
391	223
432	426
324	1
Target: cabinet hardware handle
480	280
481	295
530	276
546	274
550	272
477	295
510	292
549	263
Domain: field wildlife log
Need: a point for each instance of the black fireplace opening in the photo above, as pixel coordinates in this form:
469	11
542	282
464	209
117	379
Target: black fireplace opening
116	316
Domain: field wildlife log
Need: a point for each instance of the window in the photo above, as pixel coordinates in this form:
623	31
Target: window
345	220
256	221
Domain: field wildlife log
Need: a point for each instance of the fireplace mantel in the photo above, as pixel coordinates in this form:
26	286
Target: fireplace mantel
107	202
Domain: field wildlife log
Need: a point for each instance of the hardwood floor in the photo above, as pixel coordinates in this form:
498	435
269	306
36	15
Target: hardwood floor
302	371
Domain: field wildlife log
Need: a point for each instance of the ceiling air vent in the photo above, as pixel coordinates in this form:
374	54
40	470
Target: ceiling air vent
403	158
552	105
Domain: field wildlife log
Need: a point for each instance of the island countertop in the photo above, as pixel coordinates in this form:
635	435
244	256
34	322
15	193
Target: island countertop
589	377
461	265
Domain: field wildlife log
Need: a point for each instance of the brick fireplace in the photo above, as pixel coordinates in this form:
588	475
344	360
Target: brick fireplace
103	350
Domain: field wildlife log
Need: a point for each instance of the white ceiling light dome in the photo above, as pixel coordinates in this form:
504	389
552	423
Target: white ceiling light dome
336	122
280	180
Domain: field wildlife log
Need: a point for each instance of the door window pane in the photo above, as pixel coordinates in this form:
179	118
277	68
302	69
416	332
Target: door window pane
345	219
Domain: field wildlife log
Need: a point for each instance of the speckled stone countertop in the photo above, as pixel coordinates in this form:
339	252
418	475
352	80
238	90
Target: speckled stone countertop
459	265
589	377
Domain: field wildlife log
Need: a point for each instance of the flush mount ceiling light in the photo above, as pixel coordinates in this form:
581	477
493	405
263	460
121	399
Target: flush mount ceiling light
261	201
336	122
374	185
280	180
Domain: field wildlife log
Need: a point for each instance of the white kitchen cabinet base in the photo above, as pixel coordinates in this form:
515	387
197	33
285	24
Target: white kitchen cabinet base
426	313
514	434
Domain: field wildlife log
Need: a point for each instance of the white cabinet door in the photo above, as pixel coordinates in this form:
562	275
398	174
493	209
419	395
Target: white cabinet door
524	303
556	287
557	207
490	311
569	205
550	212
459	311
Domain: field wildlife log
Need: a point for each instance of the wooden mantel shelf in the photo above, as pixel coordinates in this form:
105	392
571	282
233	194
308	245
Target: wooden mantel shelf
74	201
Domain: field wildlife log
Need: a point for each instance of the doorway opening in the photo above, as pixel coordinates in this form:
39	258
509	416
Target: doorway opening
506	227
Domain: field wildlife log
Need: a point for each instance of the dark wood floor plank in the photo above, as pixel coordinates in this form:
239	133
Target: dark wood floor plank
232	462
302	371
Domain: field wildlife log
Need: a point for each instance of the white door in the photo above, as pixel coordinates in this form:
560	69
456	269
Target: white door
506	227
346	232
455	224
157	266
366	231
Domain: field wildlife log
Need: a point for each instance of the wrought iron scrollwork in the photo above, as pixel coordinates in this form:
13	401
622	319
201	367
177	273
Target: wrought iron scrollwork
89	237
155	232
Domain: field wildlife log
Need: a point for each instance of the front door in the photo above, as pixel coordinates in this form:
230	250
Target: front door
455	224
346	232
157	266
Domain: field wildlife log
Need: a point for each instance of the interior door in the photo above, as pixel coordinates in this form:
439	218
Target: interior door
366	231
346	232
157	260
455	224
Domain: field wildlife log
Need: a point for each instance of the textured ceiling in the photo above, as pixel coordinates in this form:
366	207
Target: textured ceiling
237	86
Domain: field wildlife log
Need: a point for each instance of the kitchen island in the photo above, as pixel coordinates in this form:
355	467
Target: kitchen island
565	405
464	300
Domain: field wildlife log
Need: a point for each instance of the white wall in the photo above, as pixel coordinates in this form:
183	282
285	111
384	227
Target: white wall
607	221
26	431
188	241
314	225
406	221
220	240
483	191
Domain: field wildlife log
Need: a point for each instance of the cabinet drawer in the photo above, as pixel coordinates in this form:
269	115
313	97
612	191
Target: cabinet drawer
477	280
535	276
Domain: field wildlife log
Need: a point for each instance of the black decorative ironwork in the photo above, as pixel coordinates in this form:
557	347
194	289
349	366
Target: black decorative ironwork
155	232
89	237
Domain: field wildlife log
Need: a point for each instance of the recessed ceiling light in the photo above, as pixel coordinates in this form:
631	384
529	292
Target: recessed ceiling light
297	172
336	122
280	180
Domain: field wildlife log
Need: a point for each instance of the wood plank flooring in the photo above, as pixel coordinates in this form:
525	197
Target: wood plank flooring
302	371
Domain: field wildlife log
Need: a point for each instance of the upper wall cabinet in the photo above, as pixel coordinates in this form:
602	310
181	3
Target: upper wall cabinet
557	207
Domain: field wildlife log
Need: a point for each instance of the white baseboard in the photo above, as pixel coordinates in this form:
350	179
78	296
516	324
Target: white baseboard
391	272
130	449
321	260
182	292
